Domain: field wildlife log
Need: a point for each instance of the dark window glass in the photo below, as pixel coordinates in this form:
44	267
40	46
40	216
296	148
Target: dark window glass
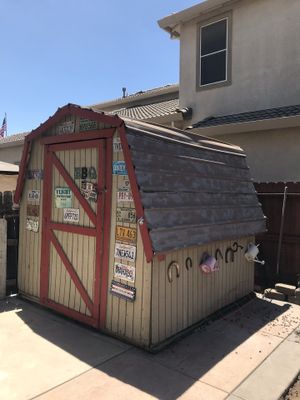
213	68
214	37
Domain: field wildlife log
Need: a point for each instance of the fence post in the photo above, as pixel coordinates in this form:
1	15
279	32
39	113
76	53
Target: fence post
3	258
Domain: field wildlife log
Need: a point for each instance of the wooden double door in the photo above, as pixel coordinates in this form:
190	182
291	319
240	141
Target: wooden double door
73	221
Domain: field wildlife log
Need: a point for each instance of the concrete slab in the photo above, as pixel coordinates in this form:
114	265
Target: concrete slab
132	376
274	375
221	358
42	350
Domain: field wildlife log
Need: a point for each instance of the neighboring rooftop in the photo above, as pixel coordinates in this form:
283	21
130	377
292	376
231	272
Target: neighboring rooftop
18	137
8	168
252	116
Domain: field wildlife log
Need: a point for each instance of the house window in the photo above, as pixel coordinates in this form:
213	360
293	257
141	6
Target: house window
214	53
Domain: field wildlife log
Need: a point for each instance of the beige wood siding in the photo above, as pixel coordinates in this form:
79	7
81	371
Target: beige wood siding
30	242
195	295
127	319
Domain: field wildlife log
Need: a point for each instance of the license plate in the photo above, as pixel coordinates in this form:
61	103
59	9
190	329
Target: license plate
126	215
125	234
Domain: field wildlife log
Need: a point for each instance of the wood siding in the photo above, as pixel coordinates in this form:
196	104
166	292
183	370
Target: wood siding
125	319
195	295
30	242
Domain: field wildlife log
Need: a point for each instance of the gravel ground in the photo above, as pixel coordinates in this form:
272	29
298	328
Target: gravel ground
294	391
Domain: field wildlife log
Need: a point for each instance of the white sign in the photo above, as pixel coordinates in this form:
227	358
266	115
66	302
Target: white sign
117	146
125	252
123	195
71	214
66	127
32	225
63	197
125	184
125	272
33	195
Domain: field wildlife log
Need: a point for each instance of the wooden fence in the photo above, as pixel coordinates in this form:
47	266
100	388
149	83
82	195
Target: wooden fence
11	214
280	245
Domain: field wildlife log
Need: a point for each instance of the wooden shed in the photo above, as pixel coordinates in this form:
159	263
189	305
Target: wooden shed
117	215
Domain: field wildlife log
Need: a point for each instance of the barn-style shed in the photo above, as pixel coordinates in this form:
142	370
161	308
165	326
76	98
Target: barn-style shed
117	215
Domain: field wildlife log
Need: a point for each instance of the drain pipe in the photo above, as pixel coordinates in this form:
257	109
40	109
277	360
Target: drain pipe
281	228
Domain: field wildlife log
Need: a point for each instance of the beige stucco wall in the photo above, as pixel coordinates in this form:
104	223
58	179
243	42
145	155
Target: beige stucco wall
265	60
273	156
8	182
11	154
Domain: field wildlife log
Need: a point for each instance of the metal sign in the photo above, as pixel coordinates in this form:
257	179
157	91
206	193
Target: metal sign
87	125
123	196
123	291
63	197
119	168
71	214
66	127
124	234
33	195
32	225
85	173
33	210
125	272
127	215
125	184
117	146
35	174
125	252
89	190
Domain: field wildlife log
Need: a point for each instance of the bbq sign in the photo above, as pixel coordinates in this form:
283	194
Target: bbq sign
124	234
125	252
125	272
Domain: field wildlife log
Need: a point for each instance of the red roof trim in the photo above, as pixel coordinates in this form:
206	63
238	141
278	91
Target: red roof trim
68	109
142	223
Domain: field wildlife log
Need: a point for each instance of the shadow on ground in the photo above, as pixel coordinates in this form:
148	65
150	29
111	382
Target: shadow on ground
219	354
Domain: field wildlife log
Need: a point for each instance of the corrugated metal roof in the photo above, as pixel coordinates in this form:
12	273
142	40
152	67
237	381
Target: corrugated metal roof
251	116
194	189
7	167
149	111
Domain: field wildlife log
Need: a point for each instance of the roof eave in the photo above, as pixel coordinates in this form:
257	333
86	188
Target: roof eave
171	23
253	126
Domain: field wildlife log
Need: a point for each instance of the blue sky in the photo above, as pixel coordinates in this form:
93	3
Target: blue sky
55	52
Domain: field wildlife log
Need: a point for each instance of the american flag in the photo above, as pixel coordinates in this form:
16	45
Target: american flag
3	129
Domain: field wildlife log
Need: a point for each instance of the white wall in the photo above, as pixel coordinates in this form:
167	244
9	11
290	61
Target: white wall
272	156
265	60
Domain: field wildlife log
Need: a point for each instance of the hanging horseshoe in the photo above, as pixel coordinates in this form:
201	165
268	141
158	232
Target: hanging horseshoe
236	246
173	264
188	263
229	250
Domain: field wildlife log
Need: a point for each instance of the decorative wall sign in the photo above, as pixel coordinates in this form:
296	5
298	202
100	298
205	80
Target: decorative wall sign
89	190
32	225
125	252
35	174
119	168
87	125
33	195
71	214
126	214
117	146
123	291
63	197
123	196
124	234
33	210
66	127
85	173
125	272
125	184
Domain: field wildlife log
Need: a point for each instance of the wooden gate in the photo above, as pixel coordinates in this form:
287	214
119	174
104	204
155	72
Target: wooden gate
72	236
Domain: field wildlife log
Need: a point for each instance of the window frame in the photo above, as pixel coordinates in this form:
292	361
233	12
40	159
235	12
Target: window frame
228	18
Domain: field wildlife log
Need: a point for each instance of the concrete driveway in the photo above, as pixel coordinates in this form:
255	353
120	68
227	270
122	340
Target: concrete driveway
252	353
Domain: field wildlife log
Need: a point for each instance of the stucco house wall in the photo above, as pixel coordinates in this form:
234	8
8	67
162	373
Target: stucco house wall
265	59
